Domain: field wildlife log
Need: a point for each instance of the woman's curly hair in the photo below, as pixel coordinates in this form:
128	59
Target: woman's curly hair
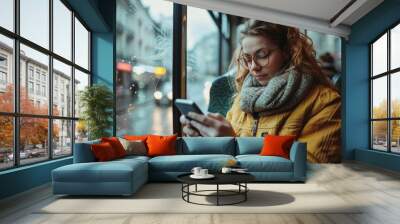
291	41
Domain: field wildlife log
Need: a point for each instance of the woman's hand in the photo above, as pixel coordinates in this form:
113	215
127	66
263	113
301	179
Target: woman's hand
188	129
211	125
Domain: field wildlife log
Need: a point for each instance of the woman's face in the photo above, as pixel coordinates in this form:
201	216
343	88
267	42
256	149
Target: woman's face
263	57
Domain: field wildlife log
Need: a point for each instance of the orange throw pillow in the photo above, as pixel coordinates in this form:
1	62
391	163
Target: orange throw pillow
161	145
136	137
116	145
103	152
277	145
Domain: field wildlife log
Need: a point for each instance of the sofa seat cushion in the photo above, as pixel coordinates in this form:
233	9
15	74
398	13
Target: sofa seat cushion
133	158
112	171
185	163
257	163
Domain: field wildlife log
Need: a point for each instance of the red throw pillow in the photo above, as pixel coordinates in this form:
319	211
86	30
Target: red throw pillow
161	145
116	145
103	151
277	146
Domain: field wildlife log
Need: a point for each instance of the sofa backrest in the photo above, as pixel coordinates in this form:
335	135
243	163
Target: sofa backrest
83	152
249	145
206	145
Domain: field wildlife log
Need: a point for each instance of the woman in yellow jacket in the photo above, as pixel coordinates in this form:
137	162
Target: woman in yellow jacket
282	91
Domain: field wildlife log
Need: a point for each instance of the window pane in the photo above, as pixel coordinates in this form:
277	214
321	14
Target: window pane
35	21
81	131
144	64
33	139
81	81
62	29
81	45
62	138
395	47
379	135
395	94
34	72
7	14
62	89
6	142
329	54
202	55
379	98
379	56
395	138
6	74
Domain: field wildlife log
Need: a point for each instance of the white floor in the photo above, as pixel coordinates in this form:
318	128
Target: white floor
378	190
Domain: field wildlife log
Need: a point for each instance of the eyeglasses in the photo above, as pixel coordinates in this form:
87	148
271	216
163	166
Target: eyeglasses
261	58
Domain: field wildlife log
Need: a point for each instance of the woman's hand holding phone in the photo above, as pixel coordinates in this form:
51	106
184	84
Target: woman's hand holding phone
210	125
188	129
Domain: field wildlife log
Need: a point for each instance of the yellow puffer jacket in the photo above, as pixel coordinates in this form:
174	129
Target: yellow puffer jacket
316	121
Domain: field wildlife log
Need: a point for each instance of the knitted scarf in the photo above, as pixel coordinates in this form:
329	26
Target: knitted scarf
282	93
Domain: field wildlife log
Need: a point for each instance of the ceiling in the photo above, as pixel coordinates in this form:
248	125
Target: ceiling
320	9
327	16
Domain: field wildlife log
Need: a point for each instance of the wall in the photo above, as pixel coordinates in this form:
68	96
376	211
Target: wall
103	52
24	178
356	98
99	15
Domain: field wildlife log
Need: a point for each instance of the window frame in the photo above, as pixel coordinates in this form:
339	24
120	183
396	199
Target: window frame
16	114
388	74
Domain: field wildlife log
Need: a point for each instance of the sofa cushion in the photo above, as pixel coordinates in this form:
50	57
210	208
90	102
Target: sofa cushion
249	145
134	147
116	145
185	163
275	145
207	145
111	171
103	152
160	145
132	158
136	137
257	163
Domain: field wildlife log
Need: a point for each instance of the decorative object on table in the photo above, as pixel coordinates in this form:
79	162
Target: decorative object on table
237	170
96	102
226	170
200	173
196	170
231	163
238	196
240	170
203	176
227	167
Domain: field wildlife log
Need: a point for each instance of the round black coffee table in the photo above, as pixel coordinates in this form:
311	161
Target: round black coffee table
238	179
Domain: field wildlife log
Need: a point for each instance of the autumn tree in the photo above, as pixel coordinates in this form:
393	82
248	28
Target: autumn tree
380	127
6	122
33	131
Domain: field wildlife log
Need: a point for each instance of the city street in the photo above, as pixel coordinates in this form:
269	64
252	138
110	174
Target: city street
33	156
142	116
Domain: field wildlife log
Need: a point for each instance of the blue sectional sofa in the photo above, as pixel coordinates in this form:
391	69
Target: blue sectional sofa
125	176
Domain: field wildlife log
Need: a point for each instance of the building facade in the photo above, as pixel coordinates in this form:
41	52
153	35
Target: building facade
34	81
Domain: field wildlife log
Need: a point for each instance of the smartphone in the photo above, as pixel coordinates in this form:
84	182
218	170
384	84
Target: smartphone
185	106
